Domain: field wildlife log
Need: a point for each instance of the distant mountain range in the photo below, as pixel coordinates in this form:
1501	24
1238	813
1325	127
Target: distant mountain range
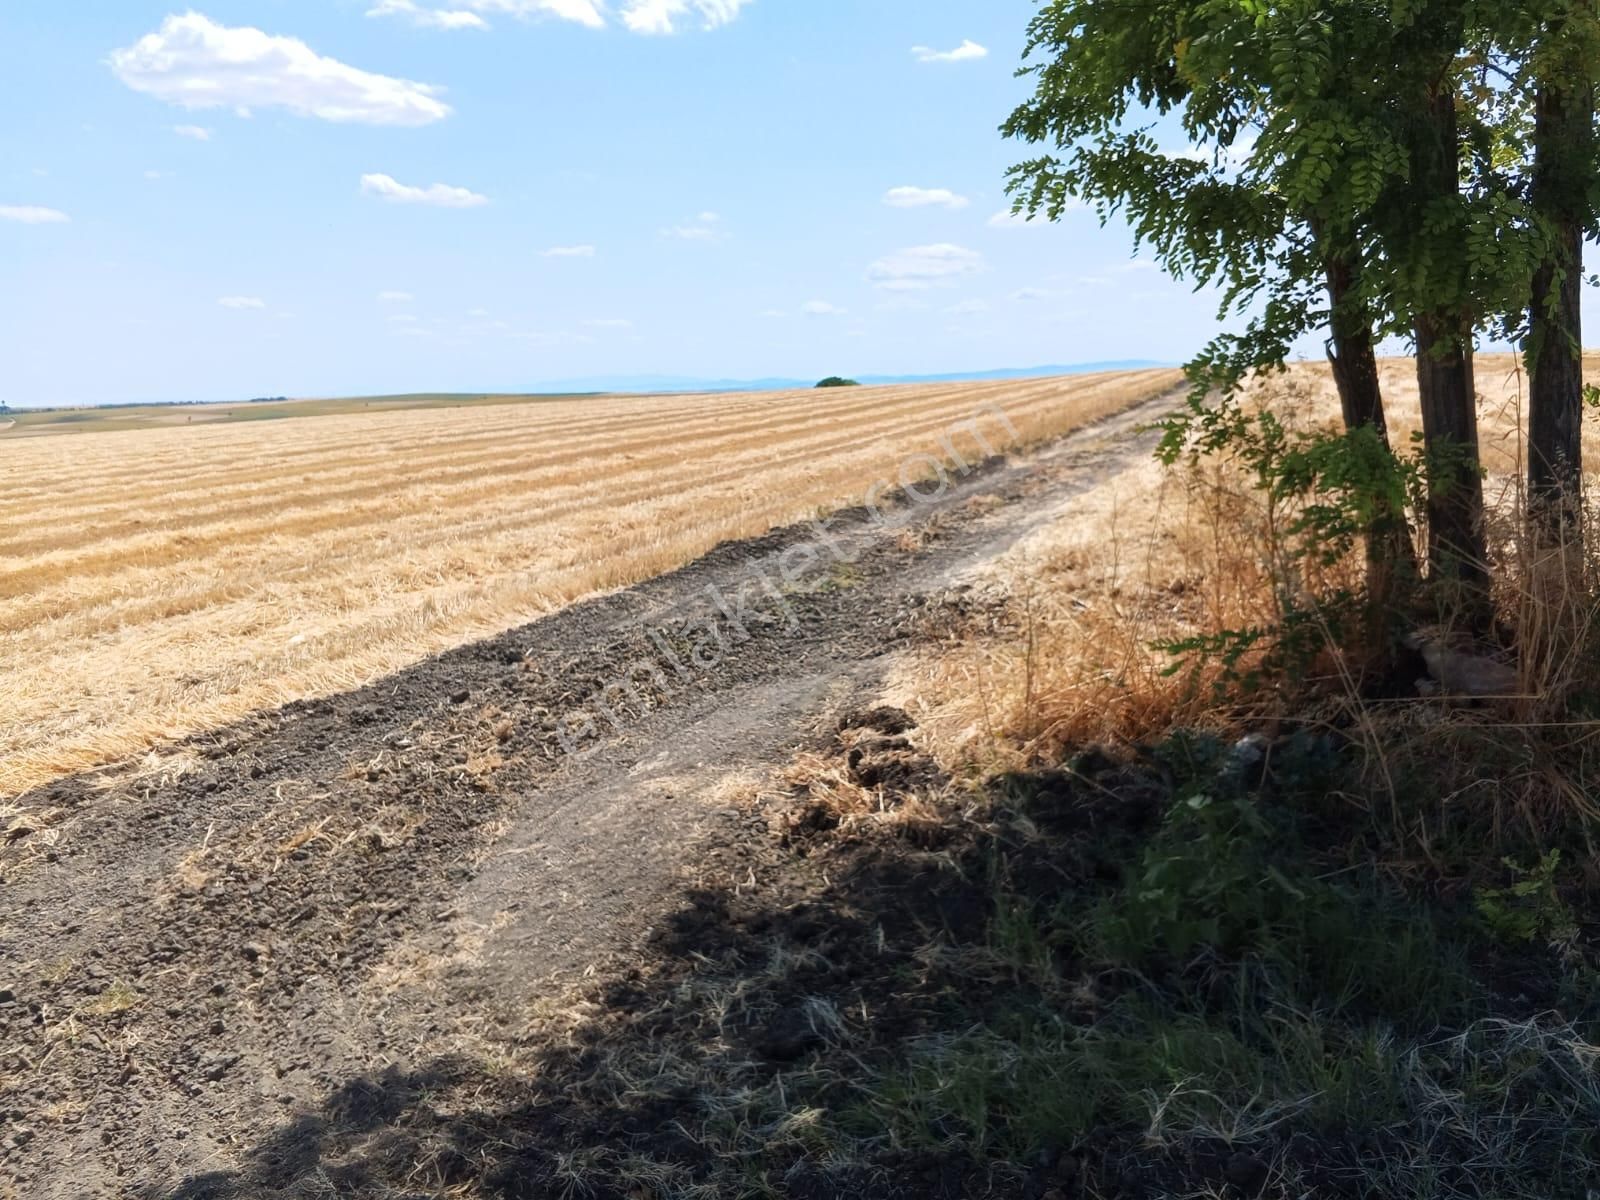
686	383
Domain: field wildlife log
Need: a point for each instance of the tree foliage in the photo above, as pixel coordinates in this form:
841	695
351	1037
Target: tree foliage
1371	169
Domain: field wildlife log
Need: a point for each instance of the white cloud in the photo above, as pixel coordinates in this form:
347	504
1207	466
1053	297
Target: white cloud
242	303
661	16
774	314
1028	295
967	51
395	297
821	308
916	197
653	16
154	174
194	63
610	323
562	337
569	252
439	195
649	17
901	302
1232	158
1006	219
478	313
967	308
31	214
195	133
584	12
706	228
428	18
445	18
922	267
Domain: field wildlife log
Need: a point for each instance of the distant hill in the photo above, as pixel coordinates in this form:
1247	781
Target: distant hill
133	414
688	383
1132	364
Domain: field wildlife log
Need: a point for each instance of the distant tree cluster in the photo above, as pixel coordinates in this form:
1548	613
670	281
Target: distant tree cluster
834	381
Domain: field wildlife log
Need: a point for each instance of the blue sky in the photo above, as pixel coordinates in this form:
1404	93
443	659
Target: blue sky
321	197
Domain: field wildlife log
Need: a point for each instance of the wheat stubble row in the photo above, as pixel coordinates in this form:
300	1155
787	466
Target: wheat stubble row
481	514
328	498
158	582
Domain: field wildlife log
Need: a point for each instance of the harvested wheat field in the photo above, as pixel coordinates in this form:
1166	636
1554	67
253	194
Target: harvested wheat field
1502	384
160	581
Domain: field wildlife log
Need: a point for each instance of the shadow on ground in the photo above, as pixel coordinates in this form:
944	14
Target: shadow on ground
1123	979
725	1062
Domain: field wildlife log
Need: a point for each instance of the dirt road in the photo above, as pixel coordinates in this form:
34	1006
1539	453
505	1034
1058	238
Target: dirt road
198	950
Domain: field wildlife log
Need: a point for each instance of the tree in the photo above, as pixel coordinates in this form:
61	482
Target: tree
1428	229
1290	149
837	381
1557	46
1350	153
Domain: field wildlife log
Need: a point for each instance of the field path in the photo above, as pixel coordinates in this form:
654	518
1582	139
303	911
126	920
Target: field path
201	952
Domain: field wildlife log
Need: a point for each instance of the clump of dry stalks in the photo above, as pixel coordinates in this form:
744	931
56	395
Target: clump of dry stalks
1156	556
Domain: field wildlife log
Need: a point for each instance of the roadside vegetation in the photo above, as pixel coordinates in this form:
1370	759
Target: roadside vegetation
1286	796
1282	790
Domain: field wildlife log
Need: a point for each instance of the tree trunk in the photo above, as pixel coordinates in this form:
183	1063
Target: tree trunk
1555	345
1391	560
1355	372
1458	559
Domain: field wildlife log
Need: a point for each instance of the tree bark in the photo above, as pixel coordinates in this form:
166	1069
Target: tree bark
1391	559
1355	368
1457	552
1562	135
1458	559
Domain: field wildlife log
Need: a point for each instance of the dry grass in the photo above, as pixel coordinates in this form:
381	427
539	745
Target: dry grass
829	794
1543	595
1502	394
1154	556
1069	659
161	581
